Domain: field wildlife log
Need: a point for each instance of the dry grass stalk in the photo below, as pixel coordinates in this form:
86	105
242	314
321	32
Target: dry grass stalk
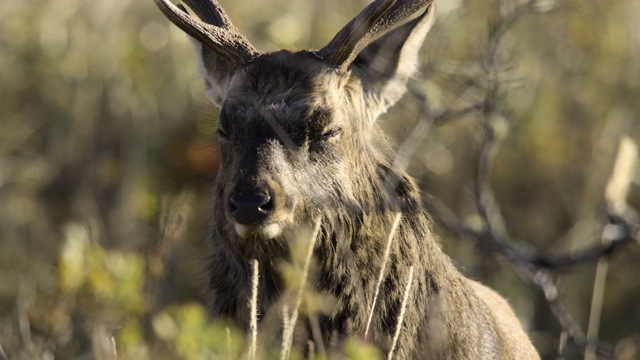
290	321
385	259
253	325
286	319
402	312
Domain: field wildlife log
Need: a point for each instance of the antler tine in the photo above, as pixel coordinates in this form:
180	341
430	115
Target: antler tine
211	12
217	33
373	21
340	48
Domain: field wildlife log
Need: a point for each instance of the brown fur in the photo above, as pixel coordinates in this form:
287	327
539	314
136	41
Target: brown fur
304	132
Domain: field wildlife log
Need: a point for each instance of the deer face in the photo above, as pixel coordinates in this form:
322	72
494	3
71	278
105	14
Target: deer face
284	131
293	127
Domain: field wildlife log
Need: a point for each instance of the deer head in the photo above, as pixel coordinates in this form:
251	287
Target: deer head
297	130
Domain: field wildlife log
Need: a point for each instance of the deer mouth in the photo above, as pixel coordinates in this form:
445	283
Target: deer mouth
263	231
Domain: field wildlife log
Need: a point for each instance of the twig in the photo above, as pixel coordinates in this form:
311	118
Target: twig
543	280
317	337
401	316
385	259
616	195
503	246
595	312
23	302
114	348
447	116
624	170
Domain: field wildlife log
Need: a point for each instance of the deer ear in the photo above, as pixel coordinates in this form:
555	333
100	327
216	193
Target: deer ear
386	64
215	71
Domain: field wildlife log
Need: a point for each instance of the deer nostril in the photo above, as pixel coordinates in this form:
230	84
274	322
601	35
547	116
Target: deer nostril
232	206
250	209
267	204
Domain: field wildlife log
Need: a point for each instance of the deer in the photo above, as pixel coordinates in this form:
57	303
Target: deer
300	144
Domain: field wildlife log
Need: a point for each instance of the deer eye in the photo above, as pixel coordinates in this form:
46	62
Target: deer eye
330	134
221	134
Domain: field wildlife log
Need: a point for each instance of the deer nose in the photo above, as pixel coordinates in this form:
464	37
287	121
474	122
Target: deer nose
250	209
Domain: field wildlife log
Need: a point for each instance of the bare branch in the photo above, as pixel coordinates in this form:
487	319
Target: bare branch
619	227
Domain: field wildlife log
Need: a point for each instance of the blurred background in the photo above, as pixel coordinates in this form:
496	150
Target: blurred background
108	156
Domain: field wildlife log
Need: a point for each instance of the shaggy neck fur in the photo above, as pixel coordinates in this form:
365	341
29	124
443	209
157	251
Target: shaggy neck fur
348	255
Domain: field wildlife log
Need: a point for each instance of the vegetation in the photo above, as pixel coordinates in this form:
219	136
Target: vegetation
107	156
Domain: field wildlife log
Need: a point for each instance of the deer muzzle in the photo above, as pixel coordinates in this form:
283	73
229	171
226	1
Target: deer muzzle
256	213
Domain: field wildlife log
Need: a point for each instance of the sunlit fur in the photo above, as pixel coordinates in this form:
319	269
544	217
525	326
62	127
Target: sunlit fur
276	122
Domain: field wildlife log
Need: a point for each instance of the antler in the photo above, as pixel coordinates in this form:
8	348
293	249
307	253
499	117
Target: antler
373	21
215	31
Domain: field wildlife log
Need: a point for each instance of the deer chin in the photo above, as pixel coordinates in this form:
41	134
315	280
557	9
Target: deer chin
266	231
